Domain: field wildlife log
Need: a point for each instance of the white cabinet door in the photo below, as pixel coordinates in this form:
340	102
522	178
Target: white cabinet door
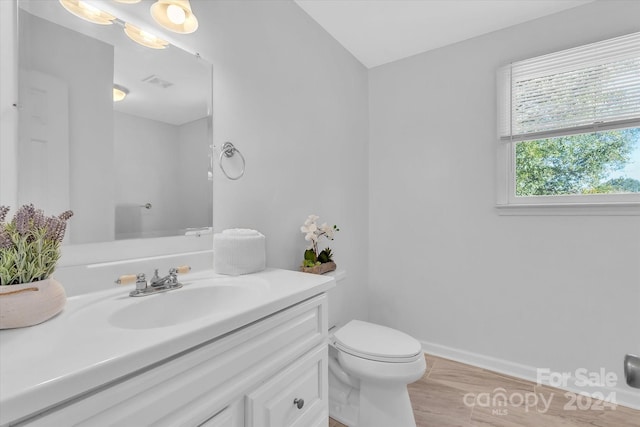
296	397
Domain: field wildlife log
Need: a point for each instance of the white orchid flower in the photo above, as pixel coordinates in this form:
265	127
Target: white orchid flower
313	233
328	230
312	219
309	228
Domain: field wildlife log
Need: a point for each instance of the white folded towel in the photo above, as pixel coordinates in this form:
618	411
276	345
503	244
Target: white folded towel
241	232
239	251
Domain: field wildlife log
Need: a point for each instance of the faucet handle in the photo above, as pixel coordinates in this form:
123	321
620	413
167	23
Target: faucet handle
126	279
182	269
140	279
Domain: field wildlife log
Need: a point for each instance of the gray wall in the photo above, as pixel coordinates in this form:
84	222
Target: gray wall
296	104
512	293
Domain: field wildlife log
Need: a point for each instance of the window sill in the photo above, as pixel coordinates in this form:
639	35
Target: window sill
570	209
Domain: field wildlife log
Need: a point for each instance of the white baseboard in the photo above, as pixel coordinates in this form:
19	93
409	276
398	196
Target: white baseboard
623	396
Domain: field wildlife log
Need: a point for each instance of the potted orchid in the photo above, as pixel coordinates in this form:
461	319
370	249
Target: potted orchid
29	251
315	261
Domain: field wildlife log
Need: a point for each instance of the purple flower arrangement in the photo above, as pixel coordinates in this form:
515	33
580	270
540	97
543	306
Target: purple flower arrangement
30	244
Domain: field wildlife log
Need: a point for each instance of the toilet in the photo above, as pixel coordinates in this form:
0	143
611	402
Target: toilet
370	367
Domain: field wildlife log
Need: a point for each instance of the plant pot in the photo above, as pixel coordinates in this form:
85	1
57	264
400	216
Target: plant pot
28	304
320	269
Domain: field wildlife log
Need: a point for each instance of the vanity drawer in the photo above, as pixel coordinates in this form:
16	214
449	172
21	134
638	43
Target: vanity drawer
296	397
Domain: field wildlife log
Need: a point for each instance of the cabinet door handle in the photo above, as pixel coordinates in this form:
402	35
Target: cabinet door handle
298	402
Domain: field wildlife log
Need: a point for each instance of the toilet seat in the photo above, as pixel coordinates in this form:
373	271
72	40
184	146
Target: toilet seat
377	343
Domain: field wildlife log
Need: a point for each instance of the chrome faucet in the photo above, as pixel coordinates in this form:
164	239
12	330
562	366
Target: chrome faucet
156	284
170	279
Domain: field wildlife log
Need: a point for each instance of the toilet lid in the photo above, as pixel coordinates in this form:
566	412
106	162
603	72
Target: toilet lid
376	342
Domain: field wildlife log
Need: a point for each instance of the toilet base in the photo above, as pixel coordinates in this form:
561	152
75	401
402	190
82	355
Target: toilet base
385	405
370	406
343	401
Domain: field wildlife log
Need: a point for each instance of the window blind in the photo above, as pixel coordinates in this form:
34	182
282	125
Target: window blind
591	87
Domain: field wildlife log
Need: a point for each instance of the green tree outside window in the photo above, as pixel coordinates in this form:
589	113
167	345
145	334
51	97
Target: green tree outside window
576	164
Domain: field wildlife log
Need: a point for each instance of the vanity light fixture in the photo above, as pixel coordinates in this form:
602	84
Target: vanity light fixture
144	38
87	12
175	15
119	92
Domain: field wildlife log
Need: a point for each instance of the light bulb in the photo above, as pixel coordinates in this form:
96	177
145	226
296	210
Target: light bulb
90	10
176	14
119	93
87	12
150	38
144	38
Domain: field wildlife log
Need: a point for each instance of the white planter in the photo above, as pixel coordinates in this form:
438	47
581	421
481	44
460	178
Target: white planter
28	304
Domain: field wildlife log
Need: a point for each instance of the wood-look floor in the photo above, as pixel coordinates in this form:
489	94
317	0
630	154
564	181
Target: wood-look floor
438	400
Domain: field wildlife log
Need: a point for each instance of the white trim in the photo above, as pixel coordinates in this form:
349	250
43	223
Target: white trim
148	258
568	209
591	128
620	199
136	249
624	397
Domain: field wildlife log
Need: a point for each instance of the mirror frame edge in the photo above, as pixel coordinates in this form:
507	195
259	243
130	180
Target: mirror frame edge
8	104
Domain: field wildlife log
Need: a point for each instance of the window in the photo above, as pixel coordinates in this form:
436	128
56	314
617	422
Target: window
569	126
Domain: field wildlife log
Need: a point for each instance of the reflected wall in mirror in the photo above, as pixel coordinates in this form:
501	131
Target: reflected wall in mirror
140	167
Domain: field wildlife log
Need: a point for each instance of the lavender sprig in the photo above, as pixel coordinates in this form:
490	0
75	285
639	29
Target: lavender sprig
3	213
5	239
30	244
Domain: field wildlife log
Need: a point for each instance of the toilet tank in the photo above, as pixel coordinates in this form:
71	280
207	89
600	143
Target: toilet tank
337	296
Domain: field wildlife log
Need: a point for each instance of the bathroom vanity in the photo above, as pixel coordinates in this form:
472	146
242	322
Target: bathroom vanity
221	351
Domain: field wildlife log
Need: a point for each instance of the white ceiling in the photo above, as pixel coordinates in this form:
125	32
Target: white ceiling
380	31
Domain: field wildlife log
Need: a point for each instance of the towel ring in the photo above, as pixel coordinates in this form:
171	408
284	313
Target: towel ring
228	150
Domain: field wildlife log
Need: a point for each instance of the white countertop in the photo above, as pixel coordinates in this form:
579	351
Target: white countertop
80	349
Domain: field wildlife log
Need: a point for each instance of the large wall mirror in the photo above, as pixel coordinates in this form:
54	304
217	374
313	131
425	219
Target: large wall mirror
138	168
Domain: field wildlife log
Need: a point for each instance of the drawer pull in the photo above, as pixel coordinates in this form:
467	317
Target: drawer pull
298	402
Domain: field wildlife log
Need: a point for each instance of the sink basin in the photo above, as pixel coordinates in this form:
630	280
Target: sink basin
181	305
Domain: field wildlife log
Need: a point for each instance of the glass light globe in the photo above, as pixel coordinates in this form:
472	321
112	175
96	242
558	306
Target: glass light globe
176	14
90	10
